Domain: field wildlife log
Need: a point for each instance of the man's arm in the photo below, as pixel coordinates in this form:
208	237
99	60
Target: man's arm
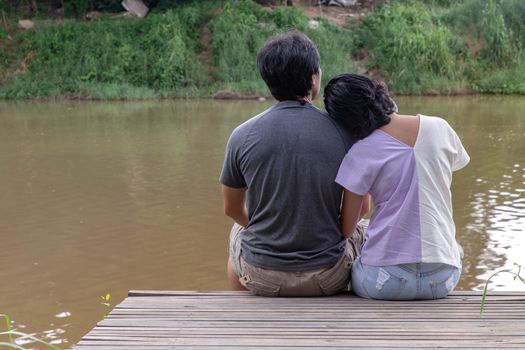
367	205
234	207
354	207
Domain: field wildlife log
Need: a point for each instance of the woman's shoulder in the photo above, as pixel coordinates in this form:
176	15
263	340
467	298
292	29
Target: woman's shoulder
436	126
371	147
434	121
373	139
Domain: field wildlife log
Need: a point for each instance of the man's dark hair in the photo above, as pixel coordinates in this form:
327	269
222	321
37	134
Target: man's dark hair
360	104
286	63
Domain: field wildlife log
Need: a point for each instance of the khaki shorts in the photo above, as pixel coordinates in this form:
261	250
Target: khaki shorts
319	282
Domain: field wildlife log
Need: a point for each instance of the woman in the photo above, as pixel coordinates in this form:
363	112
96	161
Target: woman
405	162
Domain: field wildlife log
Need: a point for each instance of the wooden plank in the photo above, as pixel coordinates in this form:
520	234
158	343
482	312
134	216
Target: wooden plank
254	342
239	320
370	327
133	293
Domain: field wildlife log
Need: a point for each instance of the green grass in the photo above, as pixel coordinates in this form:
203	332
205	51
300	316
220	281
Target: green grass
416	46
241	29
516	275
494	24
497	30
502	81
447	46
412	50
112	57
159	56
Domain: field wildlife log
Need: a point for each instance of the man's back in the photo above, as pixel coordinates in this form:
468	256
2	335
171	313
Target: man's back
288	158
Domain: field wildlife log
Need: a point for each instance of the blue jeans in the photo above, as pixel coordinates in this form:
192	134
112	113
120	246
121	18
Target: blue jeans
404	282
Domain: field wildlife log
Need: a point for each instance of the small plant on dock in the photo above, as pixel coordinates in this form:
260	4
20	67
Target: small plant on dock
105	301
484	297
11	334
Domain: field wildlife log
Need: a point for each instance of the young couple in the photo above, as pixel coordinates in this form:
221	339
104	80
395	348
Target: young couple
287	169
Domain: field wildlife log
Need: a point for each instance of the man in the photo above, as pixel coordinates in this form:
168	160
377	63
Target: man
278	183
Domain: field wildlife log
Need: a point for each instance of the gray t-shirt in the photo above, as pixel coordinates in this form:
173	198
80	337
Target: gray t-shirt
288	157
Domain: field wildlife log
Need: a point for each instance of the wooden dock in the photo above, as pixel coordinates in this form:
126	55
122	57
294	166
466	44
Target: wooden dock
237	320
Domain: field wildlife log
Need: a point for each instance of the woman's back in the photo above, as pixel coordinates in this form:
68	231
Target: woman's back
404	128
406	166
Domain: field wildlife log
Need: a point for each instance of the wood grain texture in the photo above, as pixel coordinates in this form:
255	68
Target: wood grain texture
238	320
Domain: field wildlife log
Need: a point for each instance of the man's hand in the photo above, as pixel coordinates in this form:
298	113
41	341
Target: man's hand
234	207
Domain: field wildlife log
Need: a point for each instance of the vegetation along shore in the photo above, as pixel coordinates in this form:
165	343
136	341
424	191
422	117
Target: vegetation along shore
90	50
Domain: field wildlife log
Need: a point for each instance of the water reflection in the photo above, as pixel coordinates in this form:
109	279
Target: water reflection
489	193
101	198
504	205
54	336
108	197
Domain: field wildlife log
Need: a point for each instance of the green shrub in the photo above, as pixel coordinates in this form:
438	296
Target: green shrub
439	3
123	51
238	32
406	42
243	27
157	53
503	81
497	24
336	46
418	46
289	18
513	13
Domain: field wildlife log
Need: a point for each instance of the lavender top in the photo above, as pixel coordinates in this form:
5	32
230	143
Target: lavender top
410	187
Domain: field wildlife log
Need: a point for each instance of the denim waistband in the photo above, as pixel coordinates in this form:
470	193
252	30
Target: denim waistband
425	267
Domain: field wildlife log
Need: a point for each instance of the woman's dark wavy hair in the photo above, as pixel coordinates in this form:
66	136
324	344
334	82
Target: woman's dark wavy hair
286	63
360	104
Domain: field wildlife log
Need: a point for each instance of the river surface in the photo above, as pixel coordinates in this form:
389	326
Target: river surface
100	198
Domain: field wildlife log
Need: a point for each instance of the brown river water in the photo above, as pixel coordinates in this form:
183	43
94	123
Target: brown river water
100	198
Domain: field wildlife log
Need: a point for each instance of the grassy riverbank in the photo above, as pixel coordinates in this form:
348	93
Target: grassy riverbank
202	47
